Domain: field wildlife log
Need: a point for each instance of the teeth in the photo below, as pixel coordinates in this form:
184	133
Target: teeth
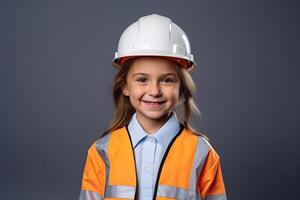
152	102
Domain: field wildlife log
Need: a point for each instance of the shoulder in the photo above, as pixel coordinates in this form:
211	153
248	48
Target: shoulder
98	149
103	142
200	136
204	145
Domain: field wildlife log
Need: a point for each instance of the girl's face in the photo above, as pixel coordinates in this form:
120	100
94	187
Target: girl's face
153	87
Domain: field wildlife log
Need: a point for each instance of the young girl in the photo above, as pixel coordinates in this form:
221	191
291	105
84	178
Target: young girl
147	153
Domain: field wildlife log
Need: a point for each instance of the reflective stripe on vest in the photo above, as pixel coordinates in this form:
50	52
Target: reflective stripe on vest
188	159
89	195
167	192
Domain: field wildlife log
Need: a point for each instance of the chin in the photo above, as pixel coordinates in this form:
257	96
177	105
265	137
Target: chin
155	115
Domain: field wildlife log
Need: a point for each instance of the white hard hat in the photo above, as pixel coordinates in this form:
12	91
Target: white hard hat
154	35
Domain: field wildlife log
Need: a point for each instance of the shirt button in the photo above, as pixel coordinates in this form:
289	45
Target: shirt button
147	168
151	139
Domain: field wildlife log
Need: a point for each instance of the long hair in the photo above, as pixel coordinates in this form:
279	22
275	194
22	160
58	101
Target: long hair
124	109
186	98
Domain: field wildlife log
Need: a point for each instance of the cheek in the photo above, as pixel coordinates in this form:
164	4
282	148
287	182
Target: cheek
136	93
176	94
173	93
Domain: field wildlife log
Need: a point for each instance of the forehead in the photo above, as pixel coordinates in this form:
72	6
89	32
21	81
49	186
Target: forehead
153	65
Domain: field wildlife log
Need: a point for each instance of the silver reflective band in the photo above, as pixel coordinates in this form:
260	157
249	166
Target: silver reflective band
89	195
177	193
118	191
102	148
216	197
200	156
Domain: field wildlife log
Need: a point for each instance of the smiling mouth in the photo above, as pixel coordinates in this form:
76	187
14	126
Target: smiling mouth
153	104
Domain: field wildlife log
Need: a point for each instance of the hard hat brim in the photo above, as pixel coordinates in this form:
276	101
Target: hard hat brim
191	65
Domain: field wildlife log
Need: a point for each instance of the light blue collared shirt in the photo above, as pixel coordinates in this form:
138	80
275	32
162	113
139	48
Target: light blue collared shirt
149	150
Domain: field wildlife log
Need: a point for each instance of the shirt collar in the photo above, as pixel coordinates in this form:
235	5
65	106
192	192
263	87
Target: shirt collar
163	136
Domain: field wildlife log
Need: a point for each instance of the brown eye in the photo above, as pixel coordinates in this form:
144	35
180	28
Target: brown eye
168	80
142	79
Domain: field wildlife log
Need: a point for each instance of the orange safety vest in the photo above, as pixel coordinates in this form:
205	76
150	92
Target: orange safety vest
190	169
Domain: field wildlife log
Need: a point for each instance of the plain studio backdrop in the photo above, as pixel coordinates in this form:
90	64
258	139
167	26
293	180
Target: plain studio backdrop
56	99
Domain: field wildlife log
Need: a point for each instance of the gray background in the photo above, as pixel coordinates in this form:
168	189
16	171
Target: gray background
56	75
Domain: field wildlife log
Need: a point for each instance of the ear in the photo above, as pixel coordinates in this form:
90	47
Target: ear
125	90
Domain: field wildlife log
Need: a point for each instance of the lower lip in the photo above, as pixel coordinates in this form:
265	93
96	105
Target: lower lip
152	105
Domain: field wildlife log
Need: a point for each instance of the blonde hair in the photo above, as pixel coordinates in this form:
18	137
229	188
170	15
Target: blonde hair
124	109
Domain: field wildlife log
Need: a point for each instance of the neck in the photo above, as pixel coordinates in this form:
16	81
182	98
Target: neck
151	126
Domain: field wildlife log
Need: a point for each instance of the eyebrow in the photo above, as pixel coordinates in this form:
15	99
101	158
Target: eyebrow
144	74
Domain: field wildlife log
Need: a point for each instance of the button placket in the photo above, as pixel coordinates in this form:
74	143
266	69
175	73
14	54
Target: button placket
148	161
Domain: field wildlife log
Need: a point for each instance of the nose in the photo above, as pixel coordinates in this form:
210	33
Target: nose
154	89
